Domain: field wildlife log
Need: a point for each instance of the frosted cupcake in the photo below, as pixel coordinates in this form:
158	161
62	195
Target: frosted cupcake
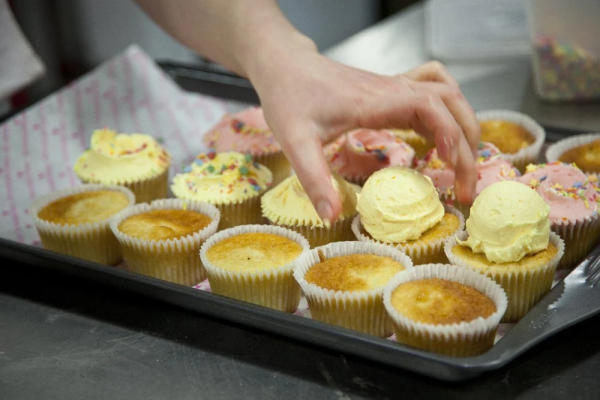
247	132
361	152
491	168
162	239
518	137
401	208
254	263
288	205
231	181
574	204
508	238
445	309
582	150
418	142
343	284
135	161
75	221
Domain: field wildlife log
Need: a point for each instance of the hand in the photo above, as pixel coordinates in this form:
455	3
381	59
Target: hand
309	100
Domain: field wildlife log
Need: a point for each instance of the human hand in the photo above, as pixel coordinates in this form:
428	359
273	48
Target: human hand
309	100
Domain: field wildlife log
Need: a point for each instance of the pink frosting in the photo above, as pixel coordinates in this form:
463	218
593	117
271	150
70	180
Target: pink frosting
491	168
565	188
360	152
244	132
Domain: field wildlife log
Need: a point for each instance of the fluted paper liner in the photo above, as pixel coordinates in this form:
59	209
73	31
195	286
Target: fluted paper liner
90	241
555	150
362	311
464	339
274	287
277	163
428	253
580	237
523	288
529	154
174	260
317	236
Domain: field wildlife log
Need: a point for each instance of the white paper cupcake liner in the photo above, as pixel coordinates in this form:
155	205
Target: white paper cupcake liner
420	253
579	236
277	163
362	311
174	260
529	154
555	150
524	288
90	241
274	287
339	231
245	212
462	339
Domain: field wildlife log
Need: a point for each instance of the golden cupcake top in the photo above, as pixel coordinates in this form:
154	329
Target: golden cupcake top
398	204
508	136
164	224
84	208
440	302
586	156
508	220
288	203
120	158
222	178
252	252
353	272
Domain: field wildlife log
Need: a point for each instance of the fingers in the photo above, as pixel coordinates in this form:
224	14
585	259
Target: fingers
465	174
433	71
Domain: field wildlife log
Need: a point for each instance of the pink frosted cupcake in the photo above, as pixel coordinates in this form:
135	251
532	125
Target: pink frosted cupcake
359	153
491	168
247	132
574	204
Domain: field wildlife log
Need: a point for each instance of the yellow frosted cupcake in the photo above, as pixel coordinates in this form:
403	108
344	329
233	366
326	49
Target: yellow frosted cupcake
231	181
400	207
508	238
75	221
288	205
254	263
343	283
135	161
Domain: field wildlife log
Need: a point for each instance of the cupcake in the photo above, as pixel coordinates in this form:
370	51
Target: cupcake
517	136
401	208
75	221
162	239
254	263
231	181
491	168
574	204
135	161
581	150
359	153
444	309
288	205
418	142
343	284
247	132
508	238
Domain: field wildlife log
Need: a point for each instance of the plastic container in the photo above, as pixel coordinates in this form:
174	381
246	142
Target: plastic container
565	48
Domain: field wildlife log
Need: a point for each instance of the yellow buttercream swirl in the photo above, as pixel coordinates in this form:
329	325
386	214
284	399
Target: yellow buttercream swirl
222	178
508	220
398	204
121	158
288	203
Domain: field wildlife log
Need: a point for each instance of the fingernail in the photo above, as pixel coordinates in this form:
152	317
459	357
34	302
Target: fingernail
325	212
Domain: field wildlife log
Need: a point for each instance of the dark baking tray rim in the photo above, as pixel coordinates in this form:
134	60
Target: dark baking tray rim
214	81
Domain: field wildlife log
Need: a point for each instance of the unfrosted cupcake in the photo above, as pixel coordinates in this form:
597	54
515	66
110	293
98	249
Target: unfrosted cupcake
359	153
582	150
136	161
247	132
508	238
231	181
518	136
162	239
75	221
574	204
401	208
254	263
343	284
491	168
445	309
288	205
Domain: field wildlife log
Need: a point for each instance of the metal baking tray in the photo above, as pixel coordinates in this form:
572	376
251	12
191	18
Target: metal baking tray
570	301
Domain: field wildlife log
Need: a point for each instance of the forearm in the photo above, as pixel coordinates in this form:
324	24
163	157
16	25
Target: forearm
242	35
